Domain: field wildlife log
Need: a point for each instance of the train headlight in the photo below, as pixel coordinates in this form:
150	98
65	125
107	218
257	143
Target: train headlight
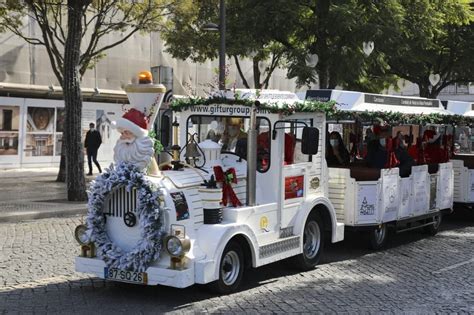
80	234
177	247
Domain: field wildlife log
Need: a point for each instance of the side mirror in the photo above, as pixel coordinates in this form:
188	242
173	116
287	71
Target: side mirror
310	140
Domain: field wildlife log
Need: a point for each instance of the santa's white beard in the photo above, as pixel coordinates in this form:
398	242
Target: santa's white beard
137	151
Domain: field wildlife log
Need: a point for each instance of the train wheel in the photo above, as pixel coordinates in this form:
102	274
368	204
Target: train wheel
313	244
378	237
231	269
433	228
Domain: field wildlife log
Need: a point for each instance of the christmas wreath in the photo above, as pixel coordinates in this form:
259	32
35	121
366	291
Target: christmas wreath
148	212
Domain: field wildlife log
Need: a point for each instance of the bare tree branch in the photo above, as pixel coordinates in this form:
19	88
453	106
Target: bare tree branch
55	56
242	76
273	65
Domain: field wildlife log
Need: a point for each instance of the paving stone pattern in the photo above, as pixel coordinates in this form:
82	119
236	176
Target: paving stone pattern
415	274
35	196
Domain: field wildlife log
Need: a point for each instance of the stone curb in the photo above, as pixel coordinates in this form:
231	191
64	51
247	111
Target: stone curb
12	217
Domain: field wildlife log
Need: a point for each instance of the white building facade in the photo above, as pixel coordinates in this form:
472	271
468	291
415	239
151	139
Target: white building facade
31	105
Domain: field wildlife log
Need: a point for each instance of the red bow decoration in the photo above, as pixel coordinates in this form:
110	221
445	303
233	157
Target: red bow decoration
227	178
392	160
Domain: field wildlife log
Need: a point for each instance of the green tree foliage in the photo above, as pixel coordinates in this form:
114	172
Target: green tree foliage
251	29
335	30
412	40
74	34
433	37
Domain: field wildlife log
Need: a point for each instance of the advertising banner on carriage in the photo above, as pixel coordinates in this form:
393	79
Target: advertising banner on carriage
433	190
421	191
445	186
390	194
367	203
406	197
471	184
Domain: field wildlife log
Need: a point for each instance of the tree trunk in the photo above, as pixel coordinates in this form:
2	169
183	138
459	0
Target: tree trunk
242	76
322	42
256	74
76	184
323	78
424	90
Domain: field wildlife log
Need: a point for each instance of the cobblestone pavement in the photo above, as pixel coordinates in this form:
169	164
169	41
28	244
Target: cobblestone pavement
33	193
415	274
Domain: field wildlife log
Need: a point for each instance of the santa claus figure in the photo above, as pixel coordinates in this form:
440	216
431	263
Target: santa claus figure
134	144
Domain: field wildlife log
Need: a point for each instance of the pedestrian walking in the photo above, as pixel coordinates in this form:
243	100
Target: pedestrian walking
92	144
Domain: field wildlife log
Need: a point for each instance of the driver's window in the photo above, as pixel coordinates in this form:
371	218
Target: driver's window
293	134
231	134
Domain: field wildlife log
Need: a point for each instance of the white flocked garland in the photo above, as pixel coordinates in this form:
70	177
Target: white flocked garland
148	214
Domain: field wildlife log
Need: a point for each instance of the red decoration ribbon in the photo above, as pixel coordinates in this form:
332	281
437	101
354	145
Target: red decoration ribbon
227	178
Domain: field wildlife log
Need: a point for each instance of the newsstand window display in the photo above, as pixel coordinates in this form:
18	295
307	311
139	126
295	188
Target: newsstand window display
43	138
9	129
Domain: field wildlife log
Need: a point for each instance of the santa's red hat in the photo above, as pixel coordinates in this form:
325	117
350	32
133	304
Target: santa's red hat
135	121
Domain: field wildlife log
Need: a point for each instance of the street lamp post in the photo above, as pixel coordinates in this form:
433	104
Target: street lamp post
221	29
222	45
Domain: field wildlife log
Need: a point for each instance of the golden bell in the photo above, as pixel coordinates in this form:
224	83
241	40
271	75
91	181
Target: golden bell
192	151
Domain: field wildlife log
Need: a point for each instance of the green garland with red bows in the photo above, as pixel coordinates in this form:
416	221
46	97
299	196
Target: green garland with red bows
282	108
331	111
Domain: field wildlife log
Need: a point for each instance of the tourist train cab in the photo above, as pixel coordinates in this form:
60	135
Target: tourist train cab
247	185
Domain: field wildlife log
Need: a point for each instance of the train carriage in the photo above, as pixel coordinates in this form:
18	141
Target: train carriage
463	160
375	199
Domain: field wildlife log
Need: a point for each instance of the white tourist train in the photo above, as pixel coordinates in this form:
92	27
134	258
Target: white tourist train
248	185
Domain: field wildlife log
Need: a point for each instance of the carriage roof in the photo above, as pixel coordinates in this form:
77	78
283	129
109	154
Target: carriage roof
360	102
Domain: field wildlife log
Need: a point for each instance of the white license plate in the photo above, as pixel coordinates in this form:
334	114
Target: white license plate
125	276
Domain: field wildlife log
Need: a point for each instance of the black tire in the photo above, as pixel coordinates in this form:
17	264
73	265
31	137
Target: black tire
434	228
378	237
231	269
313	244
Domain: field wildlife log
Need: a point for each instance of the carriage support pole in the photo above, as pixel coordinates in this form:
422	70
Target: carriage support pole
252	157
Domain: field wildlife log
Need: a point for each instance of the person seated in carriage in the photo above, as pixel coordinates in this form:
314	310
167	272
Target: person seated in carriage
380	156
233	132
433	153
336	152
